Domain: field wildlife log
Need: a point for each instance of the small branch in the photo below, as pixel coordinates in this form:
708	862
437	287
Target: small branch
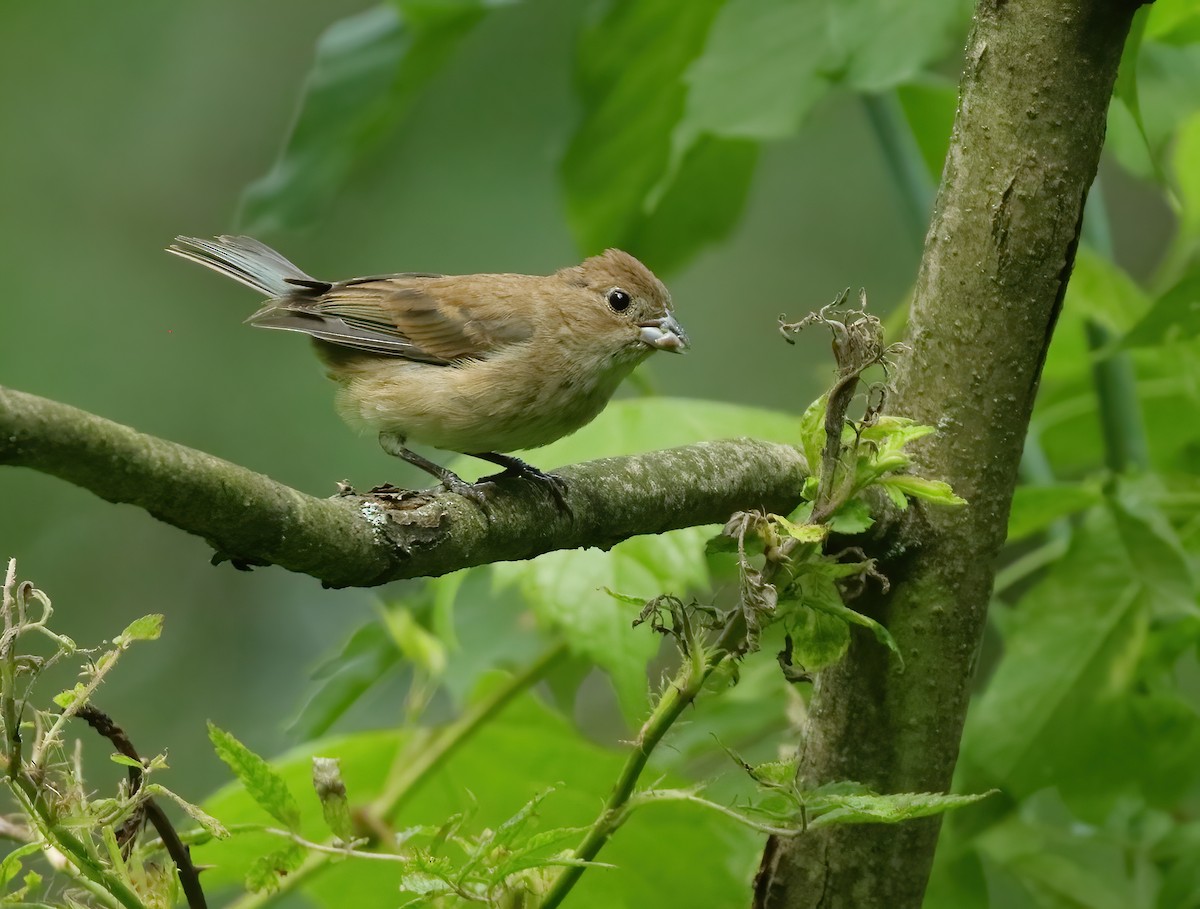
678	695
189	876
362	541
1125	444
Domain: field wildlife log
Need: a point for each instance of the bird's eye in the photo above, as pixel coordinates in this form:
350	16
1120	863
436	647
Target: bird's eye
618	300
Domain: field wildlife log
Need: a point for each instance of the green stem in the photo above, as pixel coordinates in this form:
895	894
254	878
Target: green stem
903	159
675	700
1125	445
1032	561
89	873
411	771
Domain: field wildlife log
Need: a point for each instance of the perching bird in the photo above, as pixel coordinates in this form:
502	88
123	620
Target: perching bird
478	364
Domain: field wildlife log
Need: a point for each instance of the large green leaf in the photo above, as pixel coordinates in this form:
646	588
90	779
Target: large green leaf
1185	168
629	64
1174	22
1176	312
1071	645
1052	872
1078	700
368	69
767	62
700	205
929	108
1034	508
524	751
1167	93
566	589
663	158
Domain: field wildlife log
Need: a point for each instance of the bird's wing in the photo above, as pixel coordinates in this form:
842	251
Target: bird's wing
413	316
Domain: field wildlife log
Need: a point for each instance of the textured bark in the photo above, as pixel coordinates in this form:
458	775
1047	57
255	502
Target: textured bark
1032	106
360	541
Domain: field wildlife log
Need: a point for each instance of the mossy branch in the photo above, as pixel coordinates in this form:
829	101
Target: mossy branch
362	541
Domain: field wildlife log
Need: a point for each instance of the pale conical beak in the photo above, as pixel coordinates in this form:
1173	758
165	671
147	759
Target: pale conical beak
664	334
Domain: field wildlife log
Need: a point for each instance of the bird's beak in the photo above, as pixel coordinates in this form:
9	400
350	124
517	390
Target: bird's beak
664	334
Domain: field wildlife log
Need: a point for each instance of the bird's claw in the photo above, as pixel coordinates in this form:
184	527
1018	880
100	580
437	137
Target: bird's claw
470	491
552	483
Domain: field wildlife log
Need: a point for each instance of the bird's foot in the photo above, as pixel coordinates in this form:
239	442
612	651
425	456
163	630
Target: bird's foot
457	485
394	445
515	467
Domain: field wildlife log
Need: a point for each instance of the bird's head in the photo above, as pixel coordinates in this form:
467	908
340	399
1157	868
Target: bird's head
626	303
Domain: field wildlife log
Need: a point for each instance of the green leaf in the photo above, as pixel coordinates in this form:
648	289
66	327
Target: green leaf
805	533
367	658
1155	552
1034	508
527	749
929	107
265	872
1070	652
1174	22
698	203
1185	167
764	66
65	699
263	784
889	809
626	599
885	43
1175	313
417	645
826	598
812	432
631	100
1168	93
1103	291
147	628
368	69
905	486
207	822
10	865
1054	872
566	589
853	517
768	62
819	639
1126	89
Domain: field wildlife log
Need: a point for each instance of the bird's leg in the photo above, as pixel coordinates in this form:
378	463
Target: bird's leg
394	445
515	467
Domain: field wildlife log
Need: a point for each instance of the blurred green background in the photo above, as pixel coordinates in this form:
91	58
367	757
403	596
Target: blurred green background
126	124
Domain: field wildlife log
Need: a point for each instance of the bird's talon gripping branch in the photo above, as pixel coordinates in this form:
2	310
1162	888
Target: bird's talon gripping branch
515	467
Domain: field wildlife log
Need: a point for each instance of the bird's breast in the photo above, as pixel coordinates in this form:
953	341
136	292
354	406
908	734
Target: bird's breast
525	397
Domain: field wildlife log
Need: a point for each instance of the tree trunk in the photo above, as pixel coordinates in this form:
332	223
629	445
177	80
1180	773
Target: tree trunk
1033	102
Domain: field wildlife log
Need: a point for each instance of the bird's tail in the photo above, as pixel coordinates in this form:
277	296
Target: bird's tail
246	260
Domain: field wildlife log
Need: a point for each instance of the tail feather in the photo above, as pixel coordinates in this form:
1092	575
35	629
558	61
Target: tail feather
247	261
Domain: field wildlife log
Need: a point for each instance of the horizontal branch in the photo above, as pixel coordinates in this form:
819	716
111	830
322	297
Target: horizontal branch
361	541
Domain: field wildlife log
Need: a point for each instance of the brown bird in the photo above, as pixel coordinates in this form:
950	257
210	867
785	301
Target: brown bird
478	364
